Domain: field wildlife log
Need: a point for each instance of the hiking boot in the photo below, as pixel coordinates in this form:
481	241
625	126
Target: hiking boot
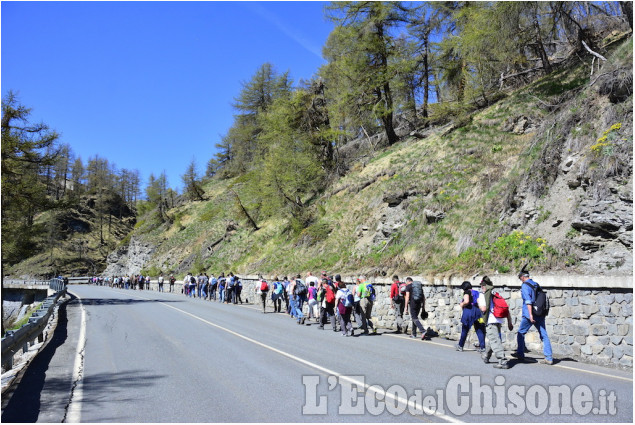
459	348
545	361
502	365
485	357
302	322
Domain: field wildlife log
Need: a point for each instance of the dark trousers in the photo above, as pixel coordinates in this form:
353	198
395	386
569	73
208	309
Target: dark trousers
415	309
328	314
345	323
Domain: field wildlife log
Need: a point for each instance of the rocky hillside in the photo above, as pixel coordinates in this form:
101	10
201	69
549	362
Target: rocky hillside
544	174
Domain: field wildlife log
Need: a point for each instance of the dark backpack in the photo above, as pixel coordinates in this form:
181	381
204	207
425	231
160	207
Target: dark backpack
541	302
417	291
300	288
192	279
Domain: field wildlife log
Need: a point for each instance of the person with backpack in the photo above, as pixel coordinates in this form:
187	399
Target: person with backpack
222	281
534	314
312	302
285	294
489	306
238	289
160	280
366	294
172	282
328	306
213	285
397	301
415	302
263	290
470	316
277	295
297	289
344	302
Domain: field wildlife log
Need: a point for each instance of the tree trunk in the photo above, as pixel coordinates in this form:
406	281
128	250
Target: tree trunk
540	48
627	10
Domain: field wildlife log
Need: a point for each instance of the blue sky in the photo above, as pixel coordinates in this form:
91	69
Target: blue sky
149	85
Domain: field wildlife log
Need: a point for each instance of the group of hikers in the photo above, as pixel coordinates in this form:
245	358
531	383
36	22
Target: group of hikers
329	300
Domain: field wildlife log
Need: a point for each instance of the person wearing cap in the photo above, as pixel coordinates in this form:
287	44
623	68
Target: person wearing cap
529	319
494	325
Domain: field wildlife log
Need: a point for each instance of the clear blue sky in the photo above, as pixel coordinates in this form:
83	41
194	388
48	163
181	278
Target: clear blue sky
149	85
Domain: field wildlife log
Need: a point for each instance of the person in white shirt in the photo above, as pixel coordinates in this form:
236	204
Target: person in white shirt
494	324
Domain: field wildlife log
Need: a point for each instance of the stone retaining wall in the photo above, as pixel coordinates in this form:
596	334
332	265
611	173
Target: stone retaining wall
591	318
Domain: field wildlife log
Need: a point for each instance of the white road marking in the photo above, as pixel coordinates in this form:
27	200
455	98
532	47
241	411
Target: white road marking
73	414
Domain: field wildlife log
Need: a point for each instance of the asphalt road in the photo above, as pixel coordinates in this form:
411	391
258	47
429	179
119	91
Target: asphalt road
138	356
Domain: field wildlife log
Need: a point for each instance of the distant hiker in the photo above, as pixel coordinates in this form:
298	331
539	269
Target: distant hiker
221	287
397	301
238	289
285	294
328	305
470	316
277	295
528	291
312	304
213	285
160	282
366	294
263	290
494	324
172	281
344	302
296	292
415	302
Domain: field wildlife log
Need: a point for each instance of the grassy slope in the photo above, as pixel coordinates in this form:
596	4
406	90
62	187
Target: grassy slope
465	175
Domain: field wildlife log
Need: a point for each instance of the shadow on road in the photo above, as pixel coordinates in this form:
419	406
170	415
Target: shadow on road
24	405
117	301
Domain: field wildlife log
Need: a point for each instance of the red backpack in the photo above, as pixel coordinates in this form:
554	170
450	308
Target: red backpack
501	309
263	286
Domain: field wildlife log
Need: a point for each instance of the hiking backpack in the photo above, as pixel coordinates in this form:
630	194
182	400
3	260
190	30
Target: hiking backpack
541	303
417	291
347	299
264	287
501	309
300	288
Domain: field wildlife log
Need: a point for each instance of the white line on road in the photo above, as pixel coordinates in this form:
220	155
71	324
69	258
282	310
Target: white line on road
73	414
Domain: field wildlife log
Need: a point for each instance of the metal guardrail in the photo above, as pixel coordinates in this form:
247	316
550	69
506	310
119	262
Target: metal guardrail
26	282
13	341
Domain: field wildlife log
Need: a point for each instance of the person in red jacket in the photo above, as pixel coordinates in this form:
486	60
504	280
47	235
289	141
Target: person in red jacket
397	303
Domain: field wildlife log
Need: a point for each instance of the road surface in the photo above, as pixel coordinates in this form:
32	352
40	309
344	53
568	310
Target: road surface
140	356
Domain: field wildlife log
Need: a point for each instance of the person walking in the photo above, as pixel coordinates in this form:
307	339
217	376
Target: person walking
470	317
494	325
344	302
263	290
222	281
365	293
328	305
529	318
238	289
160	282
312	302
415	302
277	295
172	281
397	301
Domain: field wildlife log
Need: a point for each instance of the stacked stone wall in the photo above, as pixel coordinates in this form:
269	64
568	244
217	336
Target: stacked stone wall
591	318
